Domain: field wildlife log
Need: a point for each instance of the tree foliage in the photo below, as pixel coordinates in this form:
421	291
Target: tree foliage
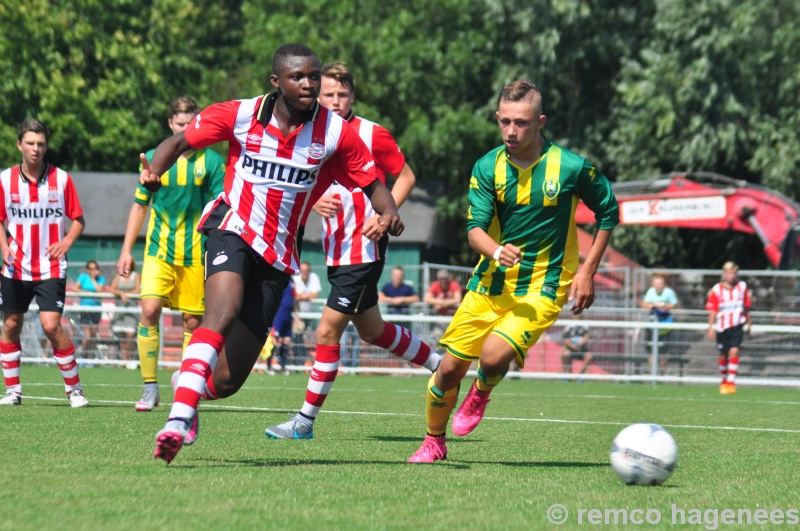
101	73
640	87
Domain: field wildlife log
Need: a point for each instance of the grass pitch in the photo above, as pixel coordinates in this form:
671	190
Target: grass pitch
540	444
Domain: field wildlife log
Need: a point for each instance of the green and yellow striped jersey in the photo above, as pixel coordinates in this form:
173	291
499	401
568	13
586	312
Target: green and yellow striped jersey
177	207
534	209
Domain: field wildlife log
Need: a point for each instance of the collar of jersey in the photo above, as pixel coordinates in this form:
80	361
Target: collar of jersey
41	178
268	104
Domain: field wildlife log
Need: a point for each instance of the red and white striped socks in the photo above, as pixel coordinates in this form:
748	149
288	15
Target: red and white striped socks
69	367
723	368
199	360
323	374
733	368
10	354
405	344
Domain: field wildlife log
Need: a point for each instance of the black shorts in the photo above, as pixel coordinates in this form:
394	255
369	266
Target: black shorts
263	284
89	318
18	294
730	338
354	288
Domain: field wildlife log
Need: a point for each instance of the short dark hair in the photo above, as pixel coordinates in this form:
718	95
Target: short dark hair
33	126
520	90
293	49
338	70
182	105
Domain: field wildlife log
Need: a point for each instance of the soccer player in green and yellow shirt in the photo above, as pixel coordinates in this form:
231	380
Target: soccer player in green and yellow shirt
522	198
173	272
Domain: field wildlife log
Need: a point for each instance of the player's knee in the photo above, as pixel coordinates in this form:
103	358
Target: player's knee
12	326
327	335
225	386
51	328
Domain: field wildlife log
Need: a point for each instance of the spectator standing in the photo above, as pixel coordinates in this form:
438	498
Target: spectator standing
306	287
282	327
123	324
36	199
90	281
728	308
660	299
444	295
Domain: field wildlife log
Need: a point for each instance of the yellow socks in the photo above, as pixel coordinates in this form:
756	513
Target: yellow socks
438	407
147	341
485	384
186	337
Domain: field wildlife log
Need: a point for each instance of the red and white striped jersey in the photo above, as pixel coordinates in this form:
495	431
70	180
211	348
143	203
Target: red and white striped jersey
35	214
342	240
269	177
731	305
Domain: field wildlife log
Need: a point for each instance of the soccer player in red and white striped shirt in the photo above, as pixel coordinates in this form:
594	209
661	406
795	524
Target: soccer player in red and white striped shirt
728	308
36	199
355	262
277	145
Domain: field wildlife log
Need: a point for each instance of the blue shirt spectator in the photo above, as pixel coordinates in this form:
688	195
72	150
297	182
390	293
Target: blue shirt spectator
397	294
90	280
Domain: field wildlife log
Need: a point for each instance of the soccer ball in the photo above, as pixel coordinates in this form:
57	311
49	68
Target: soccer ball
644	454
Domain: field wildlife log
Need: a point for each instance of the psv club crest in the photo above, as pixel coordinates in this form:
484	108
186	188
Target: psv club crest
551	188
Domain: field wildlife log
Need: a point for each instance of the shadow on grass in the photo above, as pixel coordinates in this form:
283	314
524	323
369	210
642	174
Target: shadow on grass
259	463
540	464
456	465
417	438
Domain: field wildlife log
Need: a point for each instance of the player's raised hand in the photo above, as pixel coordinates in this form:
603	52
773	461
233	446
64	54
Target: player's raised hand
147	178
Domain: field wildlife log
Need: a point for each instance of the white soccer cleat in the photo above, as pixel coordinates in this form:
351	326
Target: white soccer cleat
148	401
11	399
76	398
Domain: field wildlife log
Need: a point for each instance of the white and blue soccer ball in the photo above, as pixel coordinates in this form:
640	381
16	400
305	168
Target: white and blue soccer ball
644	454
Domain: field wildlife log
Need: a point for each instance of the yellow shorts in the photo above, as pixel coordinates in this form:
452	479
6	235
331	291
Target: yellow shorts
180	287
518	320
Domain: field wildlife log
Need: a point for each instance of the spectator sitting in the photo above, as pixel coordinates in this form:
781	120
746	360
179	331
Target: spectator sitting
123	324
90	281
576	346
397	294
444	295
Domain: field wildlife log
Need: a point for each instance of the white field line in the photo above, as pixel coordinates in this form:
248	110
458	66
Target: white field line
206	405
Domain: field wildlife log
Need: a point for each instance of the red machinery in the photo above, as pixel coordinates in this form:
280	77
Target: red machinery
710	201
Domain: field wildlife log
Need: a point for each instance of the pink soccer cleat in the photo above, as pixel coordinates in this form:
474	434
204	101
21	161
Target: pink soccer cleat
169	441
470	413
194	430
433	449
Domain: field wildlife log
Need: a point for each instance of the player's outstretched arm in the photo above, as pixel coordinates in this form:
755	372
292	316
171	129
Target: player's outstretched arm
165	156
